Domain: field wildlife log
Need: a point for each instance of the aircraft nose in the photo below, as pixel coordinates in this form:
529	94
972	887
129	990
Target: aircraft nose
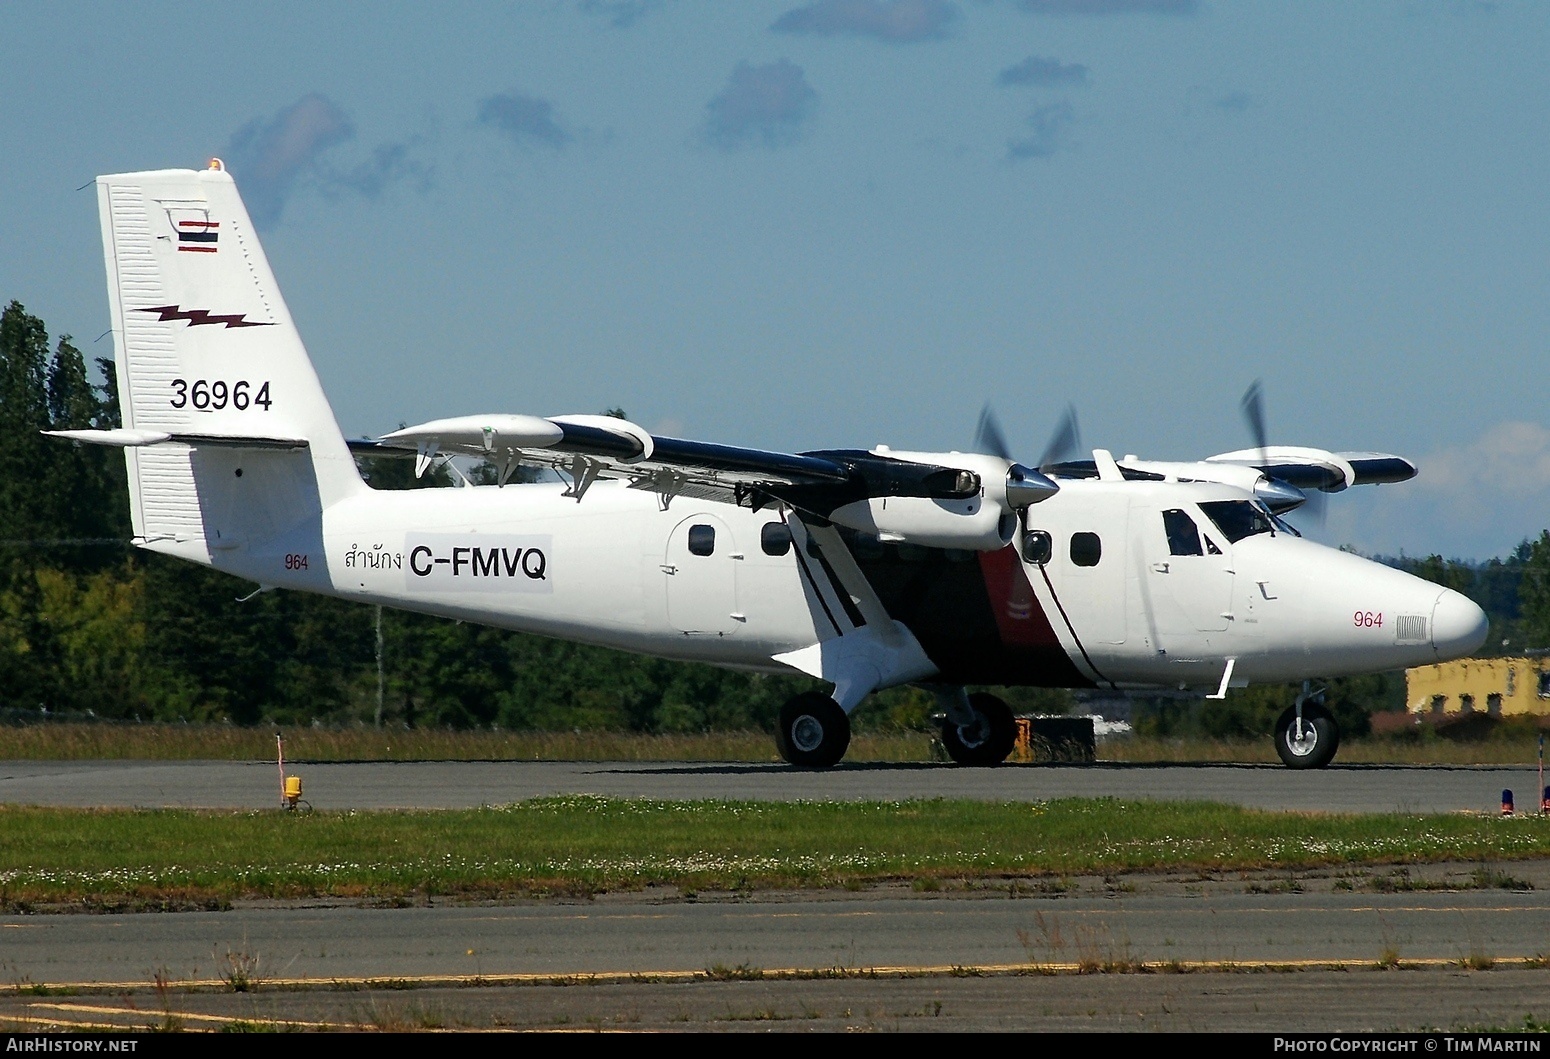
1459	627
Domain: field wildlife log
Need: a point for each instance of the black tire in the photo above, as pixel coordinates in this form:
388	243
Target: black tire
1320	740
988	740
814	732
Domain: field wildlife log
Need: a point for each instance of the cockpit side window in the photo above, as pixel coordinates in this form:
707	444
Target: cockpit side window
1237	519
1183	537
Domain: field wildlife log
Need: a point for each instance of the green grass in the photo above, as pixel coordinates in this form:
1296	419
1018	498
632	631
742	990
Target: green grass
216	742
582	845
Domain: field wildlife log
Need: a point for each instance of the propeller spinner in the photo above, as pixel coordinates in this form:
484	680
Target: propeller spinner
1024	485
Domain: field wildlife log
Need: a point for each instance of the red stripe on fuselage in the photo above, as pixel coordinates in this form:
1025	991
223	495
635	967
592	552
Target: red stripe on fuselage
1019	616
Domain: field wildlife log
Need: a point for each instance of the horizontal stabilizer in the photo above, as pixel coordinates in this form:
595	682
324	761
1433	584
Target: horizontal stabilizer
123	438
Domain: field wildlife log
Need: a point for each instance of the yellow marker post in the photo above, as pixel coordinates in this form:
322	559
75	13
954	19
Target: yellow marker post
290	786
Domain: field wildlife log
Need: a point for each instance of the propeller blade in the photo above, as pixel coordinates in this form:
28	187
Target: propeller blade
989	439
1065	442
1253	406
1314	510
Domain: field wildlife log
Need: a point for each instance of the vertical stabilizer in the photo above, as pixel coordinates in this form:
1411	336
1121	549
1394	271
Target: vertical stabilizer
206	349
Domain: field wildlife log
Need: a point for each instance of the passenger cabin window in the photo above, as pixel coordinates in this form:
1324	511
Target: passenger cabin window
1086	549
1237	519
775	538
702	540
1183	537
1037	547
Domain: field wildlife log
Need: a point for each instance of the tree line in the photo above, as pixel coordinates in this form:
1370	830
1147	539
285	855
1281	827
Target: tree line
92	626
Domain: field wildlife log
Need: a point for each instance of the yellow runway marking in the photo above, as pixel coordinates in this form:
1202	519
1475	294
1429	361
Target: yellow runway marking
89	1009
1135	913
26	1020
891	971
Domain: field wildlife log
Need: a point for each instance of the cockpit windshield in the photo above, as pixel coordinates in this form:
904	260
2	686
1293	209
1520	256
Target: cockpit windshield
1238	519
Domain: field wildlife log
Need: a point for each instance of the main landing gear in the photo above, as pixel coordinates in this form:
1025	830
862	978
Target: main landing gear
1306	734
985	737
978	729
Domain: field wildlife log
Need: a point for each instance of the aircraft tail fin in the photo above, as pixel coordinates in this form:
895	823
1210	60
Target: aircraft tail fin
211	370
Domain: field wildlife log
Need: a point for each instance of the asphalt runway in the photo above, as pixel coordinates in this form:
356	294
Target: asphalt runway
882	958
1313	1002
451	785
886	958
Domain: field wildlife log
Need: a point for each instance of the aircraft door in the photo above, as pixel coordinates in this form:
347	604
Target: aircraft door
701	568
1189	576
1088	571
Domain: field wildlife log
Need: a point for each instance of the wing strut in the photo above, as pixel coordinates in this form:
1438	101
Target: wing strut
878	653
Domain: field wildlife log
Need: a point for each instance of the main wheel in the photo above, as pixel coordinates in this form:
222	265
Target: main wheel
813	731
1319	740
986	741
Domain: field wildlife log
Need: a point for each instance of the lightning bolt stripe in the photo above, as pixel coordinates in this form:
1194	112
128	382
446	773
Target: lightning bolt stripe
202	317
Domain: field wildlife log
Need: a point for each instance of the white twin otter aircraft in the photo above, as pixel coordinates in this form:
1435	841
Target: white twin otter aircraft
862	569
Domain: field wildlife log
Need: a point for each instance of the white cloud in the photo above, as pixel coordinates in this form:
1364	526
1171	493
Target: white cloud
1474	499
895	21
765	103
523	119
269	156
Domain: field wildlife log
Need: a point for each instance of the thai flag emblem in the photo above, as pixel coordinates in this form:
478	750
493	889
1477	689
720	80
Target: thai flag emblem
198	237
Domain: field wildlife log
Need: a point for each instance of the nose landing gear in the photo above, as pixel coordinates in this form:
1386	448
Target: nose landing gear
813	731
1306	734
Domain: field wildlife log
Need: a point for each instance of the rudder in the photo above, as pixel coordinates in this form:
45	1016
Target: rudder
207	353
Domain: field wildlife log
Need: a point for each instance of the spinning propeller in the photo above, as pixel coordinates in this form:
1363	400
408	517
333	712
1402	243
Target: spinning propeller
1064	443
1313	501
1024	485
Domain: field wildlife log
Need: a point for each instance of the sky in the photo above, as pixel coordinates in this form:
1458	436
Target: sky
798	225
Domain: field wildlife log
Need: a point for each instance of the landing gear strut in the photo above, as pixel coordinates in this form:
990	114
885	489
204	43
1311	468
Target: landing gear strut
1306	734
987	738
813	731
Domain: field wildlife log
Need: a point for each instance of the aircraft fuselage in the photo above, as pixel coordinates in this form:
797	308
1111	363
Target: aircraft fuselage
1108	600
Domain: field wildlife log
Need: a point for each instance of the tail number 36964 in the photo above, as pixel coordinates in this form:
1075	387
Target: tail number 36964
208	395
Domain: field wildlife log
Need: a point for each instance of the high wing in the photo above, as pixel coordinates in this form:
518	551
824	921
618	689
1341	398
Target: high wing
591	447
1280	475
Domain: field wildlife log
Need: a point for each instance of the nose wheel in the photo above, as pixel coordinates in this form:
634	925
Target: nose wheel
813	731
1307	735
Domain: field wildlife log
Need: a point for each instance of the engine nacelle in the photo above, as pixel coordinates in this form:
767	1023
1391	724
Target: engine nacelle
971	524
986	521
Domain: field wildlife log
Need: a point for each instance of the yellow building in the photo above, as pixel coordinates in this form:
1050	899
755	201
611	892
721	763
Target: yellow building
1500	687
